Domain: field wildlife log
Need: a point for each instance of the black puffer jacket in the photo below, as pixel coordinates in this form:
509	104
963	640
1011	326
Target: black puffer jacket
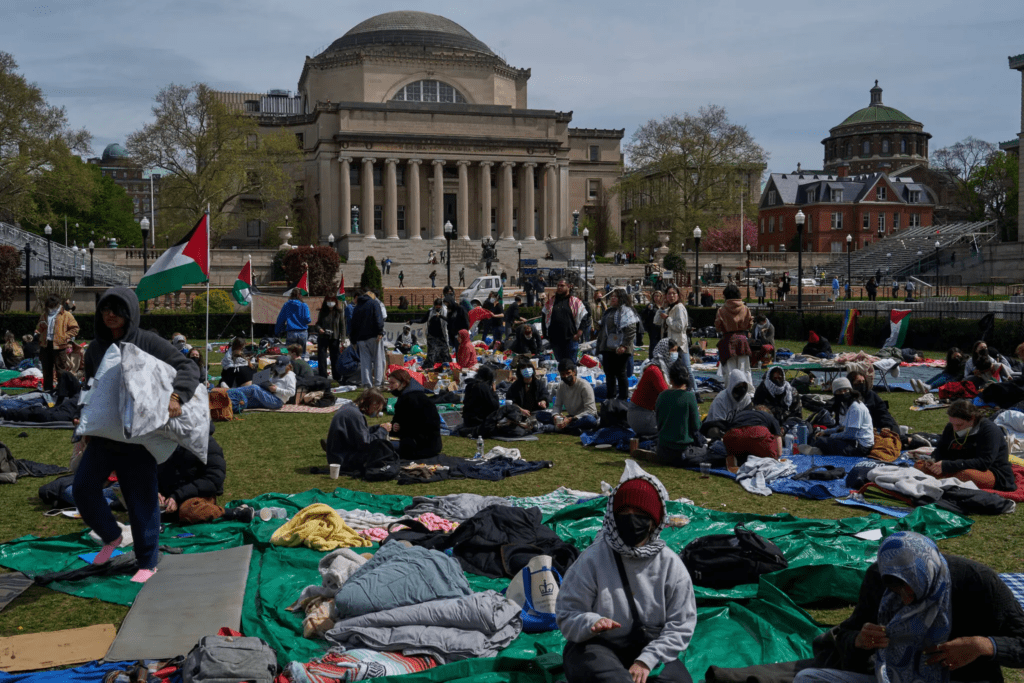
184	476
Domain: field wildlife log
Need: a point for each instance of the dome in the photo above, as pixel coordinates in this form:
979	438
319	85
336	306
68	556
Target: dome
412	29
876	112
114	151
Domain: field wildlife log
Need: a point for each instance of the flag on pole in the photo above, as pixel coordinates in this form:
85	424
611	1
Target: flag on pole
186	263
303	285
243	285
849	326
899	323
341	289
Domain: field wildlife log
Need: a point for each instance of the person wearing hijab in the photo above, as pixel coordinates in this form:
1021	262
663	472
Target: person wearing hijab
733	320
416	423
728	403
653	381
479	402
438	351
466	354
615	340
405	340
962	621
779	395
855	434
626	604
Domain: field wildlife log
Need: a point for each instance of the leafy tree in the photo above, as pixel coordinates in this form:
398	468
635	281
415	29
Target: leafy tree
37	147
220	302
996	185
213	156
688	170
984	180
10	279
371	277
674	261
323	265
727	237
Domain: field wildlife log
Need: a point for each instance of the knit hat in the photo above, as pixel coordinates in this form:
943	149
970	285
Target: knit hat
641	494
813	337
841	383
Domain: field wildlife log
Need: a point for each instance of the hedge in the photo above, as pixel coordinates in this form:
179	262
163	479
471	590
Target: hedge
192	325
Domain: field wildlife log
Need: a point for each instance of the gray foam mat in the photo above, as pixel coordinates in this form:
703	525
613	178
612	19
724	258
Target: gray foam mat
189	597
11	586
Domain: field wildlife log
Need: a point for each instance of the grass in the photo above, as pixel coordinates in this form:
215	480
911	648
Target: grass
272	452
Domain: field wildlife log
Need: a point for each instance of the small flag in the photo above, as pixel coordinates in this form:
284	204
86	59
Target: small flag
849	326
303	285
341	289
243	285
186	263
899	323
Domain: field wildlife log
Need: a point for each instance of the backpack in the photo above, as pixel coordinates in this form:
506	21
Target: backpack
728	560
614	413
229	659
535	589
382	462
221	409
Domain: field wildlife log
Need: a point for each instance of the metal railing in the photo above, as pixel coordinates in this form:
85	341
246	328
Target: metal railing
66	262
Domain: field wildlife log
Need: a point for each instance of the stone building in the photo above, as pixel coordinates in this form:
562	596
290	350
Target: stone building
115	164
410	122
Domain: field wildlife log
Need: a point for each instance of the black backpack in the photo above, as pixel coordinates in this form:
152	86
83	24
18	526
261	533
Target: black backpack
382	462
614	413
728	560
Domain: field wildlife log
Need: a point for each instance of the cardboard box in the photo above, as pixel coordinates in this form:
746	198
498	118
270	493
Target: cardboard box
503	375
395	359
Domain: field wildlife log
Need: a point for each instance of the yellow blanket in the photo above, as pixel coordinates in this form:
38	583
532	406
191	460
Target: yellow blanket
318	527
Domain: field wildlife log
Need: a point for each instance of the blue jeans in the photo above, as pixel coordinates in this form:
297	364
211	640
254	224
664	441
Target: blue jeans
583	423
298	337
257	397
832	676
136	472
565	349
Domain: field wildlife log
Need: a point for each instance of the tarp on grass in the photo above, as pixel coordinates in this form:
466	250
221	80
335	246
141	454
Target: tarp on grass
826	561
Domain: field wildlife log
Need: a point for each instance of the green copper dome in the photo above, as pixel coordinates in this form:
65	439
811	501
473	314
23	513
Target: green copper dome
114	152
877	113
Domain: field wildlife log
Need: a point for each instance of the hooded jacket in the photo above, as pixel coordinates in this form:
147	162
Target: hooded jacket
661	586
419	434
725	407
186	377
184	476
367	320
733	316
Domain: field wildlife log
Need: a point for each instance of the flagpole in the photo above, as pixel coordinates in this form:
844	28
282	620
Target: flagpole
252	331
209	270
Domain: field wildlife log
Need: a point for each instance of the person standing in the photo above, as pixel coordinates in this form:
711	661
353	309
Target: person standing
652	319
872	289
367	328
293	321
330	326
759	291
615	339
57	329
462	276
733	320
563	322
895	288
835	288
438	349
433	278
910	289
401	278
380	359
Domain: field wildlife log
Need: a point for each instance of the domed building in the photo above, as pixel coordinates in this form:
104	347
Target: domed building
115	163
409	122
875	139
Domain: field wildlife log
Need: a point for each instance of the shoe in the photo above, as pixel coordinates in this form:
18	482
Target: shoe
323	444
242	513
319	470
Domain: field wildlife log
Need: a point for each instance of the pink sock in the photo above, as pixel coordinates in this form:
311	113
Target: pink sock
143	575
106	551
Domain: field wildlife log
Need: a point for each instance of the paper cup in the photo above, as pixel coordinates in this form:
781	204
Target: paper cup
335	471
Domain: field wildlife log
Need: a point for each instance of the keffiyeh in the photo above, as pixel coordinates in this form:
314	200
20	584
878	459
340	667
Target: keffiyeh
610	531
776	391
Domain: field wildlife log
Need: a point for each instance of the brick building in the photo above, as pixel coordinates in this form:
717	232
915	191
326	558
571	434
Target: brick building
867	207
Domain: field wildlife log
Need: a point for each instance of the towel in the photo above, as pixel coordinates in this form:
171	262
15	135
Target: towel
318	527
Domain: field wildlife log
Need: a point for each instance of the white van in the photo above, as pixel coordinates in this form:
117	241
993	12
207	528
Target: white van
481	288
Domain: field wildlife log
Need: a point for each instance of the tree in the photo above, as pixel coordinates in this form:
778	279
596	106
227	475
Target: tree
37	146
996	185
960	162
213	156
688	170
371	277
220	302
727	237
984	180
322	263
10	279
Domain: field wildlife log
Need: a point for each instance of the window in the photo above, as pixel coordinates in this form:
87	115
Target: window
865	148
401	217
593	189
429	91
903	146
771	197
837	247
771	224
837	195
252	228
808	225
353	174
762	226
896	220
849	149
595	153
378	217
781	220
915	196
885	146
837	220
866	223
300	140
915	220
378	175
880	194
881	222
812	195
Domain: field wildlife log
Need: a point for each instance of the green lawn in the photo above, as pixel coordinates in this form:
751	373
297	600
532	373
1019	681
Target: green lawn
273	452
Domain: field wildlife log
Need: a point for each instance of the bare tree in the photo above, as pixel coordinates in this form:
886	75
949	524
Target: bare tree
960	162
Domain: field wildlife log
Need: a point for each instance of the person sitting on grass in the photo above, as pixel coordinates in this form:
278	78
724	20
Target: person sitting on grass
305	379
479	402
627	604
971	448
349	436
678	421
528	392
953	372
299	366
416	422
235	369
188	489
926	616
406	340
881	418
778	395
465	354
270	395
728	403
984	372
575	398
653	381
855	434
526	341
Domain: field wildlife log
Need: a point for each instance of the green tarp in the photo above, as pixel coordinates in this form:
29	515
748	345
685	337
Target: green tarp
738	627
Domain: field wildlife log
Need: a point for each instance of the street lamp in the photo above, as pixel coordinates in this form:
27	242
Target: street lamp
919	255
849	279
800	218
330	240
937	245
28	277
449	233
748	272
636	236
49	249
586	260
576	223
519	265
144	227
355	219
74	261
92	264
696	261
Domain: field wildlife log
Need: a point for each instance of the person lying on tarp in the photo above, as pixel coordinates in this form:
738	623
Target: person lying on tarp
188	489
881	418
349	437
926	616
416	422
626	604
854	435
971	448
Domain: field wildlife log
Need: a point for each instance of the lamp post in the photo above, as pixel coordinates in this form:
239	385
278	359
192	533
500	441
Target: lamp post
144	227
519	265
74	262
748	272
636	236
800	218
586	260
28	276
330	240
937	245
919	255
576	223
449	232
355	219
696	262
888	266
849	279
49	249
92	264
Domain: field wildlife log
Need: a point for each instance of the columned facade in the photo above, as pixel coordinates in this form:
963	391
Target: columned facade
484	228
413	218
527	206
366	213
462	219
345	210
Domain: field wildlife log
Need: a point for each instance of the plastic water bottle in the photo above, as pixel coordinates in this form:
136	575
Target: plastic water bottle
479	447
787	447
801	434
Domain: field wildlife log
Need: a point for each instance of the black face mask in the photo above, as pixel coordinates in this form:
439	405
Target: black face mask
846	399
738	394
859	388
633	529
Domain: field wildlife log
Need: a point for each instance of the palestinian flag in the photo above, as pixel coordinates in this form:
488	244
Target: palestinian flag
243	285
849	325
303	285
341	289
899	323
186	263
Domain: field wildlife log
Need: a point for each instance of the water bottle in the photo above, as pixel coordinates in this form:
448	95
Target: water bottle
479	447
801	434
787	448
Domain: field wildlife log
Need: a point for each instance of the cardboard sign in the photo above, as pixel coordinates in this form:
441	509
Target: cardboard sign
55	648
392	330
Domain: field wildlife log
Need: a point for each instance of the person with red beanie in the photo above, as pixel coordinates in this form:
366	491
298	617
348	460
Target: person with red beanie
628	571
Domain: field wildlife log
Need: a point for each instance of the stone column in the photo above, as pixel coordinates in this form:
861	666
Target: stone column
345	222
463	201
550	202
438	219
328	204
366	210
485	199
526	225
505	201
390	199
412	213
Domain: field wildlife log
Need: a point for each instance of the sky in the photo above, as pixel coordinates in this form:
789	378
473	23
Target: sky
786	70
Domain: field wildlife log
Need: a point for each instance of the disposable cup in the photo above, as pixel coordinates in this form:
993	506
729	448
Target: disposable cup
335	471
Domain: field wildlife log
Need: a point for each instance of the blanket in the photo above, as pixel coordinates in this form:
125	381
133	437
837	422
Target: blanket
1018	495
357	665
814	490
289	408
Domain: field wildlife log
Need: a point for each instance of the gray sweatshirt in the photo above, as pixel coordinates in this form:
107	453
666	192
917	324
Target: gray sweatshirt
575	400
661	587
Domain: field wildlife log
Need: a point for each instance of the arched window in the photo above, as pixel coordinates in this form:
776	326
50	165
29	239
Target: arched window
429	91
885	146
903	146
866	147
849	149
